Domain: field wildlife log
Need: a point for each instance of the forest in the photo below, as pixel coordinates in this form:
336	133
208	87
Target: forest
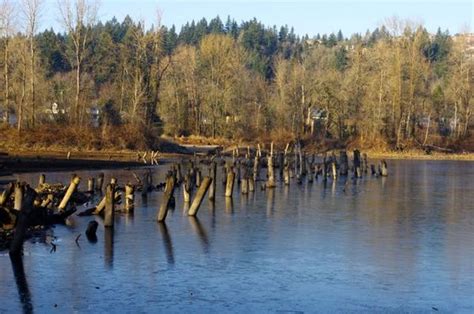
123	84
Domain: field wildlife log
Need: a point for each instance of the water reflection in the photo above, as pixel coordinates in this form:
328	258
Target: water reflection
109	247
21	283
201	233
167	242
270	202
229	205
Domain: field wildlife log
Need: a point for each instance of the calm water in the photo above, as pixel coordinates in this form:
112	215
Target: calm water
397	244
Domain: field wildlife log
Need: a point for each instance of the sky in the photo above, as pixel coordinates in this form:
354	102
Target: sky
306	16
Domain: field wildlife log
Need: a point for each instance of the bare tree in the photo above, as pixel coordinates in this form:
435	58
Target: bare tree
6	31
78	17
31	12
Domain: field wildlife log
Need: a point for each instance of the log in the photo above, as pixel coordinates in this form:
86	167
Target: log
100	207
109	213
165	202
71	189
206	182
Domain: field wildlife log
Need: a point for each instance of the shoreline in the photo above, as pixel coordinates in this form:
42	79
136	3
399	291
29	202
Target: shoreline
37	161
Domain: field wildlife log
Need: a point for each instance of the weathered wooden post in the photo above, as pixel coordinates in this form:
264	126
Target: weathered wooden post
286	174
91	185
383	169
229	188
187	189
6	193
22	220
165	202
357	170
251	184
100	182
224	174
256	168
239	171
334	170
18	194
109	213
244	186
206	182
344	163
145	183
71	189
325	168
271	174
372	169
42	179
179	175
198	177
129	198
213	175
281	164
365	163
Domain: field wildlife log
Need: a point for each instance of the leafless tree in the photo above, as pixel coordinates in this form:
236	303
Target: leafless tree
31	10
78	16
6	31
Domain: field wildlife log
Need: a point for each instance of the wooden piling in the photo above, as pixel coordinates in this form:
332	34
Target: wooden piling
213	175
334	170
165	202
383	168
271	174
23	220
91	185
356	163
71	189
42	180
109	213
229	188
187	189
100	182
244	184
6	193
198	177
206	182
344	163
129	198
18	194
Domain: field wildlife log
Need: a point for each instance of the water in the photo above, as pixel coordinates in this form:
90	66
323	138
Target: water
396	244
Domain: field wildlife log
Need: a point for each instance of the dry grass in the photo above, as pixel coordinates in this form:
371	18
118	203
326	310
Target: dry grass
59	137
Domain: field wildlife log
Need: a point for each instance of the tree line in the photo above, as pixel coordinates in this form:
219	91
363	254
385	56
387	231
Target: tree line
398	85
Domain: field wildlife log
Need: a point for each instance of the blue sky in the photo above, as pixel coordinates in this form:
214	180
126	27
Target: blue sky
306	16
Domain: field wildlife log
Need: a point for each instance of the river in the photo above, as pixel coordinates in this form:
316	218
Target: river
398	244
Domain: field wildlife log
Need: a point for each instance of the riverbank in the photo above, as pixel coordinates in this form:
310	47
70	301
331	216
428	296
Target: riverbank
28	160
